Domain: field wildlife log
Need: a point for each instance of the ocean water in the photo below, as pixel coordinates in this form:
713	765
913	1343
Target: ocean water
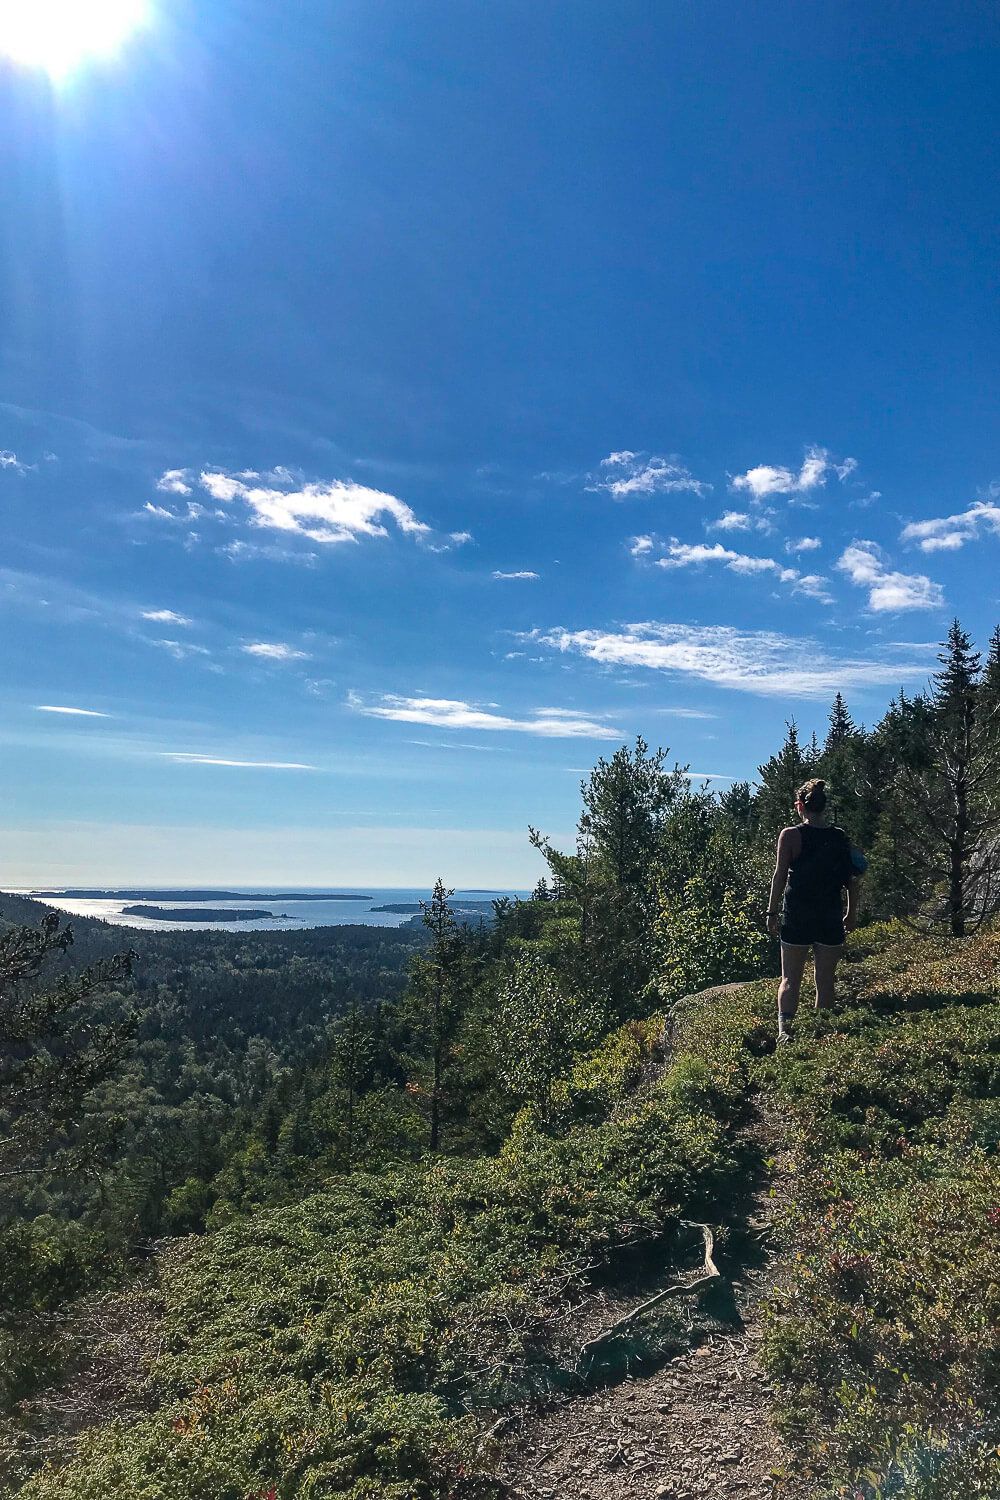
323	913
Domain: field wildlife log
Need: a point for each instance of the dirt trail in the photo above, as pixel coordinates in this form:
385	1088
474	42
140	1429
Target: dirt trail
697	1425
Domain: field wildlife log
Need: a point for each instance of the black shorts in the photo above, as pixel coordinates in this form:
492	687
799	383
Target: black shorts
826	929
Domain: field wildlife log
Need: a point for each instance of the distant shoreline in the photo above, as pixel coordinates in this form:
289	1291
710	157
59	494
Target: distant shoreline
81	894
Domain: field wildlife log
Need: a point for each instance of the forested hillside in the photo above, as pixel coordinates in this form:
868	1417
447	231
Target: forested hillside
388	1198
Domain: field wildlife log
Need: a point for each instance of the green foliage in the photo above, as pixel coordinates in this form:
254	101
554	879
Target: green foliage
884	1329
358	1325
537	1030
707	938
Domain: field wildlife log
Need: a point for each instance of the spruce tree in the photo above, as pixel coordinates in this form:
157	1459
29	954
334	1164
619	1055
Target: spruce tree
842	727
943	817
778	781
435	1004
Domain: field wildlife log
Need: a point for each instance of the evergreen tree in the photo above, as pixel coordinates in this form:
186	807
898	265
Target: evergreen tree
943	816
841	728
778	781
435	1004
614	874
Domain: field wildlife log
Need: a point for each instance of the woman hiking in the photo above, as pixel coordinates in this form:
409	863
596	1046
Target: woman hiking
814	865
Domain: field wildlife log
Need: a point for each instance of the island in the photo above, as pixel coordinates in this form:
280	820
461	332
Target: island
83	894
459	908
199	914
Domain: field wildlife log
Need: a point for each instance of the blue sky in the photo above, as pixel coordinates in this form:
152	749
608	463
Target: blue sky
402	405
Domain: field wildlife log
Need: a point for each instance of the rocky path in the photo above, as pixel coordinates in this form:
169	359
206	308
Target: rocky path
695	1424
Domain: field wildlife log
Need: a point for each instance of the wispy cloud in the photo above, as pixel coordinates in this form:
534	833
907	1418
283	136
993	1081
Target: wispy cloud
627	473
697	554
524	573
274	651
949	533
330	512
451	713
179	650
741	520
174	482
189	758
775	479
63	708
12	463
762	662
166	617
244	552
888	591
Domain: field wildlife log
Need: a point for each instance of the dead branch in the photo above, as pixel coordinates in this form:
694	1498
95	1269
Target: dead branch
710	1271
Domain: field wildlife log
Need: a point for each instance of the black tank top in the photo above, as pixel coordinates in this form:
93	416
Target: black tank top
819	873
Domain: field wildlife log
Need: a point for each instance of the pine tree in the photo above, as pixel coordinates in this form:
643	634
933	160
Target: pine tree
778	781
614	874
435	1003
943	821
842	727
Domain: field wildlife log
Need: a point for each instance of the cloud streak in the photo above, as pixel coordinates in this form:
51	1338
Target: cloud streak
949	533
62	708
452	713
697	554
274	651
166	617
760	662
190	758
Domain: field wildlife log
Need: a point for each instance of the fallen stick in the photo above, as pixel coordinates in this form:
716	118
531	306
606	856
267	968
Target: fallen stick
677	1289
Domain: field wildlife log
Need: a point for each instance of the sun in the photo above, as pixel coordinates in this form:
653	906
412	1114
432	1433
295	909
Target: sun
57	36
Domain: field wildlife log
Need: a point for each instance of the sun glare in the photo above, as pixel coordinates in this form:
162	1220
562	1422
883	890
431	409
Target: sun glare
58	35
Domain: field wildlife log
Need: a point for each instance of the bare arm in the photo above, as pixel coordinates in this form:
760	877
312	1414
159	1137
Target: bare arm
853	904
789	840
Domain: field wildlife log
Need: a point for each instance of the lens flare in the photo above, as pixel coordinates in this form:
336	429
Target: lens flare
57	36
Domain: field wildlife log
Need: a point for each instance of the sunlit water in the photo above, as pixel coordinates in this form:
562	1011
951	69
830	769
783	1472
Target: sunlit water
296	914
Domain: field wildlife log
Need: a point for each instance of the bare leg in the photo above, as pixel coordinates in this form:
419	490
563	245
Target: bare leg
826	967
793	962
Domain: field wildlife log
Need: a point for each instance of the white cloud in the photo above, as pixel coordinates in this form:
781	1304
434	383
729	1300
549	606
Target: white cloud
175	482
274	651
61	708
330	512
762	662
451	713
637	474
460	537
639	546
775	479
165	617
9	460
686	555
187	758
803	544
887	590
732	520
243	552
179	650
525	573
814	586
948	533
160	512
